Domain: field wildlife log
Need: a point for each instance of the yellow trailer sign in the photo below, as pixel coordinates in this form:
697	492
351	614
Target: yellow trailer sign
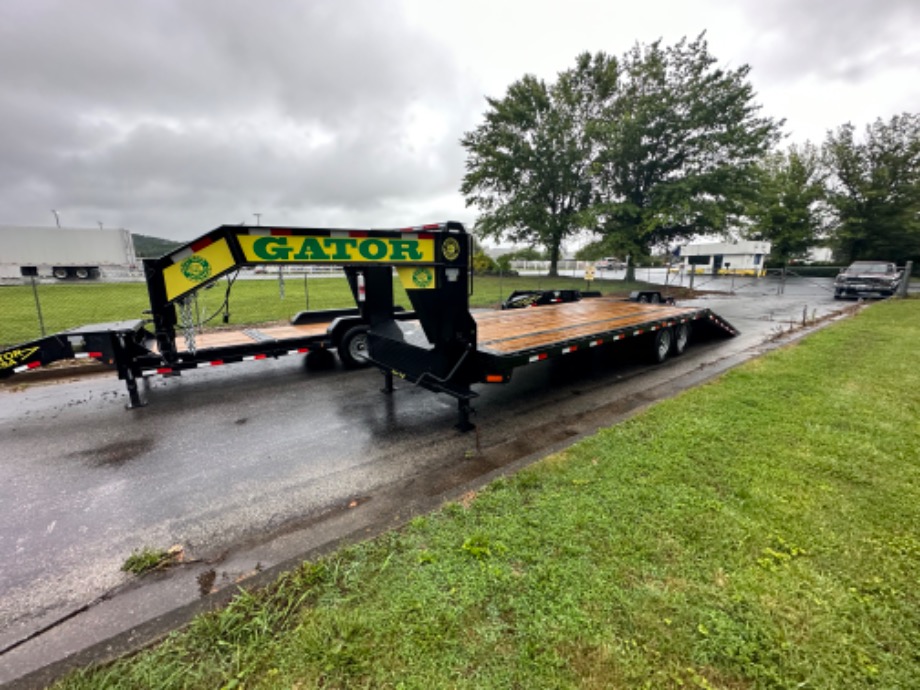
193	266
335	250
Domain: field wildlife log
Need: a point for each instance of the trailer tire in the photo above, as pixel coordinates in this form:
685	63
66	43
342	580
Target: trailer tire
353	348
662	342
81	273
681	336
60	273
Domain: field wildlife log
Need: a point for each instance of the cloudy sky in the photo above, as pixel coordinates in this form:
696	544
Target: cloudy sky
171	117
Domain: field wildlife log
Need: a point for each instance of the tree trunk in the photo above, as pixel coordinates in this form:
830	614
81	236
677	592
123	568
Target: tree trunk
554	257
630	270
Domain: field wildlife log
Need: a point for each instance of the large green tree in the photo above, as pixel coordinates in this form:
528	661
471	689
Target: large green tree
789	208
875	190
678	155
529	164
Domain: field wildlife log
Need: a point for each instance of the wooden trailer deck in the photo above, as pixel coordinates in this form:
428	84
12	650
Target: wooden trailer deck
513	331
249	336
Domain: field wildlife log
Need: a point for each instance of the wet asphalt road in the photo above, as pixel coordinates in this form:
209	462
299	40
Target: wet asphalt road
247	465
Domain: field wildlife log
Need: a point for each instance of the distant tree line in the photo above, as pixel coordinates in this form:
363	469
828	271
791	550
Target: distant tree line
661	145
147	247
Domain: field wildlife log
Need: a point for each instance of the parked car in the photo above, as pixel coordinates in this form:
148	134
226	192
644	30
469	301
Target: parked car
610	263
868	279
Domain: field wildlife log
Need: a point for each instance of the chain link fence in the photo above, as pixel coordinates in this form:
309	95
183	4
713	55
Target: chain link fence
33	307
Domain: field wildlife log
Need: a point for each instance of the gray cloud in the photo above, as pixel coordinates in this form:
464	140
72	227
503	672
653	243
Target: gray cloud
846	40
162	115
170	117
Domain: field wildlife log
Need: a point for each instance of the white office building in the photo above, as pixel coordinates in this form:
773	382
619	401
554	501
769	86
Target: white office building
742	257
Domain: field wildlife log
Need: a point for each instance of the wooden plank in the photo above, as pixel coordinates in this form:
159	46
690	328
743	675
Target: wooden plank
516	330
268	334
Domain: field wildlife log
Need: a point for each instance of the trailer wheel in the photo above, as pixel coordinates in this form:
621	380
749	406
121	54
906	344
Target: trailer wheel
353	348
681	336
59	273
81	273
662	343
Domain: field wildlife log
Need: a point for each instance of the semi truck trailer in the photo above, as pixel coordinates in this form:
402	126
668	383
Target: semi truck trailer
64	253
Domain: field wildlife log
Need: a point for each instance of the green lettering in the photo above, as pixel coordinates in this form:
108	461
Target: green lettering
340	245
405	250
373	250
271	248
311	250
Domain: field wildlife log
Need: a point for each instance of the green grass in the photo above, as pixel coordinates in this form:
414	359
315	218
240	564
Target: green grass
145	560
761	531
67	305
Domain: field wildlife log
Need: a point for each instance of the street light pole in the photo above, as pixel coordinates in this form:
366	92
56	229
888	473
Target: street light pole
258	218
57	218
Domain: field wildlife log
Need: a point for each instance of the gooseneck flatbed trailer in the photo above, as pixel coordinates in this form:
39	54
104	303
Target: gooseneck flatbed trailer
438	345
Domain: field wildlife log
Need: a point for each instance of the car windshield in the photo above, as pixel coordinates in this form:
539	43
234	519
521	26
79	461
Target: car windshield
868	268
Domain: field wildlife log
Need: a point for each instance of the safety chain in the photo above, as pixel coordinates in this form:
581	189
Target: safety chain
188	323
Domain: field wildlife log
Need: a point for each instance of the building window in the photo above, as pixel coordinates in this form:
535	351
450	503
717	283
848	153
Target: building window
27	271
757	259
699	260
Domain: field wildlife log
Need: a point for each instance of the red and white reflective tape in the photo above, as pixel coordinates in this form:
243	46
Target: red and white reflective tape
595	343
26	367
638	331
84	355
618	336
570	348
538	358
219	362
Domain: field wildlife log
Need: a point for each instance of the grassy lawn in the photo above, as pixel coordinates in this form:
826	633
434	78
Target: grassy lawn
761	531
66	305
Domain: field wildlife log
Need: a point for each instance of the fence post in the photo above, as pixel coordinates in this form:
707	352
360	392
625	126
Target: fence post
902	288
38	307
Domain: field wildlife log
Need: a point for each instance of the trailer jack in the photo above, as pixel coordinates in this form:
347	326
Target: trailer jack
465	410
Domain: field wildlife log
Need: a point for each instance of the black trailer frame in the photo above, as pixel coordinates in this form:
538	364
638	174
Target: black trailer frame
436	345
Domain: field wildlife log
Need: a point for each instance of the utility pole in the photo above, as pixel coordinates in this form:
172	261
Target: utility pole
57	218
258	218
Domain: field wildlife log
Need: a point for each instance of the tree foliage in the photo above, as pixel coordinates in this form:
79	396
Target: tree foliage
679	155
528	164
651	148
875	189
788	209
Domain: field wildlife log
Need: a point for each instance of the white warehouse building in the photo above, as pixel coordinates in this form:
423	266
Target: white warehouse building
742	257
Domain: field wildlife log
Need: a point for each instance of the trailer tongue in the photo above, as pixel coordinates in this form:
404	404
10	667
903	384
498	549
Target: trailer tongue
440	345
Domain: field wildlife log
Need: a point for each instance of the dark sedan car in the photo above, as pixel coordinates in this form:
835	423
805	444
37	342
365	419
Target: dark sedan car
868	279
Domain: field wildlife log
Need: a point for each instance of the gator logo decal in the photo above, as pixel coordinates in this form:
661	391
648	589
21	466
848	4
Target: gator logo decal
423	278
196	268
451	249
14	358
